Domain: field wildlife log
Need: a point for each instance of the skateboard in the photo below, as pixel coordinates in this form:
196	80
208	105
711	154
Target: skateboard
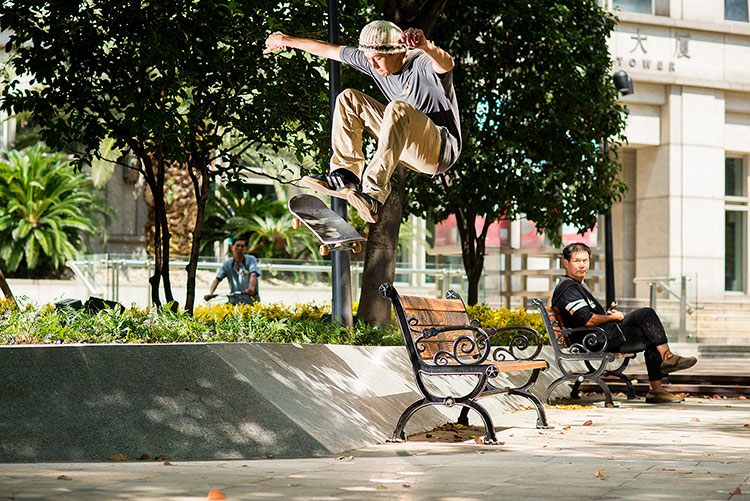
334	233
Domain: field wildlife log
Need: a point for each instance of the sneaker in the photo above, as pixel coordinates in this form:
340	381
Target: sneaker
677	363
366	205
338	183
661	397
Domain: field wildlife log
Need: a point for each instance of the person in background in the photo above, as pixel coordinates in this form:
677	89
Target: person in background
639	330
242	272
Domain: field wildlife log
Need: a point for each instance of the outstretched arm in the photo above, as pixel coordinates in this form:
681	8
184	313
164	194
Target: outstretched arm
280	41
414	38
211	289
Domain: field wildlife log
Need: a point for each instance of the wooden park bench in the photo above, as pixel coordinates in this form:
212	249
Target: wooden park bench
442	341
587	349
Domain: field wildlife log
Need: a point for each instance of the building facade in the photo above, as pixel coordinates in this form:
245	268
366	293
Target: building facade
686	159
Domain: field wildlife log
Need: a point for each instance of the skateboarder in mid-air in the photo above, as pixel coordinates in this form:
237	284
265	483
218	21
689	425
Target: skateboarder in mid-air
419	127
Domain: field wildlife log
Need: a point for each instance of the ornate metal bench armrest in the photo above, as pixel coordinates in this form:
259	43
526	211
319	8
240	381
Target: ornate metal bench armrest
518	342
463	346
589	342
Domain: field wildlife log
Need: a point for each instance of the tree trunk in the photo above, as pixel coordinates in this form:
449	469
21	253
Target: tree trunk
472	250
166	236
201	196
6	290
151	181
380	254
155	182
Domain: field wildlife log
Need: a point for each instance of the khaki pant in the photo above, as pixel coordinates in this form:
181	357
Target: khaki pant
404	134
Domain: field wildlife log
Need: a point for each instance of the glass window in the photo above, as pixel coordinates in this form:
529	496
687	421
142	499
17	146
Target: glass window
735	10
734	182
734	236
640	6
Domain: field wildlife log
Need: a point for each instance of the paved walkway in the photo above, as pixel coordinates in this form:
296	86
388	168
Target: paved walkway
699	449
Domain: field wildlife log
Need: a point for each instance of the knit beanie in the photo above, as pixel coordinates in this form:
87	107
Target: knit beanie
380	37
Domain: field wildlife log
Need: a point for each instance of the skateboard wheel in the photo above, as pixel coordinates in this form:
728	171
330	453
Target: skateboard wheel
324	250
356	247
296	224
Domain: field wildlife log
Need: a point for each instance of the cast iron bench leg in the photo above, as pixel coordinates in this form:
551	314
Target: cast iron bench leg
398	433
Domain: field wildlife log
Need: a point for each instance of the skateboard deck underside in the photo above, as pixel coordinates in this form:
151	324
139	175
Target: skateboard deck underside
329	227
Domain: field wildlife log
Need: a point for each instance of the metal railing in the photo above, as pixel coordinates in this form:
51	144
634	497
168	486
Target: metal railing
101	274
661	284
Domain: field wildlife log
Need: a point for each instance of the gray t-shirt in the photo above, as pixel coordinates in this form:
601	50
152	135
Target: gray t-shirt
418	84
239	280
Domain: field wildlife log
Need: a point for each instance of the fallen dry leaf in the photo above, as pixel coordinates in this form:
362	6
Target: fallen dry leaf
694	420
735	491
345	458
742	397
118	457
668	469
405	485
144	457
747	425
566	427
599	474
160	458
216	494
269	456
608	457
167	463
64	477
588	423
479	440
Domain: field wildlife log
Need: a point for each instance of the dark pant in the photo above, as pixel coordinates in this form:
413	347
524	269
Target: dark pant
644	332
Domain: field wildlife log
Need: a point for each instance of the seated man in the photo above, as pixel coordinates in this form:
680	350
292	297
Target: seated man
639	330
242	271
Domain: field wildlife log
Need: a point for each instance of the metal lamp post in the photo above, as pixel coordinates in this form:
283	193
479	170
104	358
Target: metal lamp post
624	85
340	266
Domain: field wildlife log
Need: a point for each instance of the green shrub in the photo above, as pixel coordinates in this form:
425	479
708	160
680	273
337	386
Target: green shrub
503	317
275	323
46	325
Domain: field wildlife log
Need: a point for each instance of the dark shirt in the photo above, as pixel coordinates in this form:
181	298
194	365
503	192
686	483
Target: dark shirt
577	304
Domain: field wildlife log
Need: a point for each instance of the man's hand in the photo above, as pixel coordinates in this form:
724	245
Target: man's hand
612	312
275	41
413	38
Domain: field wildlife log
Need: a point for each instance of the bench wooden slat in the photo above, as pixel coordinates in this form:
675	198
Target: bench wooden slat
438	318
513	365
431	312
431	304
557	325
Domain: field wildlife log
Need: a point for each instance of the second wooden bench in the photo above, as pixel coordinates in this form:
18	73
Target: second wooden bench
582	344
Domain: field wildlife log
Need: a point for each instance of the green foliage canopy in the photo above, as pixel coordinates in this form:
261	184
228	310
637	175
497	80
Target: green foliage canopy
534	84
175	79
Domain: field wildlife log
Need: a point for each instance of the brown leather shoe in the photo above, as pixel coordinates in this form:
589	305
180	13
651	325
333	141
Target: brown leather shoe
677	363
661	397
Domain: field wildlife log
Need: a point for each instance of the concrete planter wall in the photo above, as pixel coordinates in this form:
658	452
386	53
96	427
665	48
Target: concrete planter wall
223	400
